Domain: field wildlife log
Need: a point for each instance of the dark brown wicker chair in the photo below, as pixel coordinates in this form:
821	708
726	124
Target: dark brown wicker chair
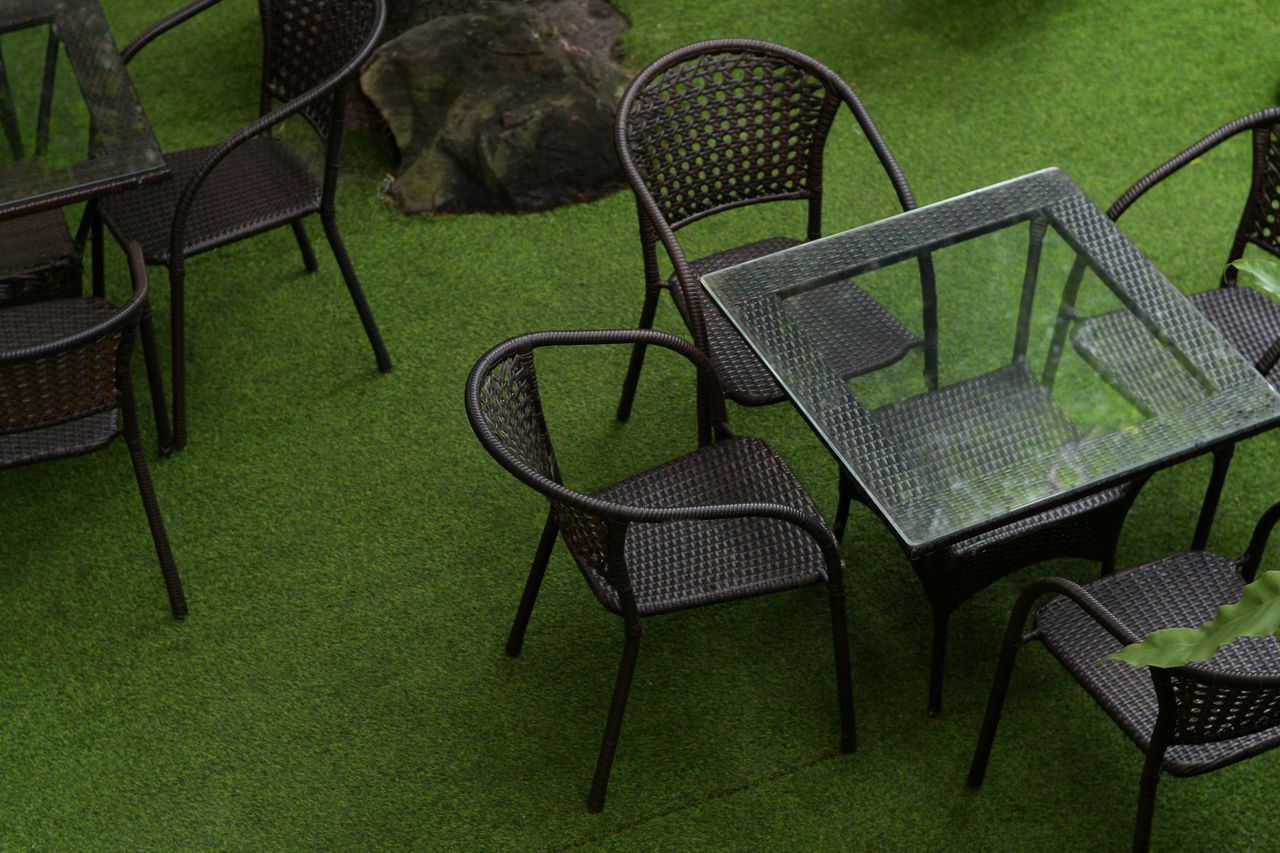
1187	720
726	521
252	182
724	124
1246	317
66	389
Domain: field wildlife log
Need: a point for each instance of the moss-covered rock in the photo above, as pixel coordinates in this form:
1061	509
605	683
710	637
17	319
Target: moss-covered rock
493	111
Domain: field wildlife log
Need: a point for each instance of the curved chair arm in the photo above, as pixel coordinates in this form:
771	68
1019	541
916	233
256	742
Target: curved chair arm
1250	560
713	420
122	317
1080	596
163	25
1200	672
1147	181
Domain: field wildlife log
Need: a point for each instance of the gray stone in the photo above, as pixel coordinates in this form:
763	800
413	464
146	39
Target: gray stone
493	111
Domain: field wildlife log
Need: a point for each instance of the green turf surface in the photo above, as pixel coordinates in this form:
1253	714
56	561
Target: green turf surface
353	557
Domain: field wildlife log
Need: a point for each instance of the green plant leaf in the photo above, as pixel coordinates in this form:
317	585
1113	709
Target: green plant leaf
1257	613
1265	272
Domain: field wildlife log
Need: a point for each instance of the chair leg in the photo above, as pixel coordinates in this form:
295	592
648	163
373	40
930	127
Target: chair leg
844	684
515	640
168	568
1221	462
304	246
96	250
178	355
647	312
845	497
357	293
151	356
621	690
938	660
1147	800
995	701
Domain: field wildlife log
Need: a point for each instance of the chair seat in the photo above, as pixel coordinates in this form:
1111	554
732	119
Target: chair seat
1248	318
36	258
1184	590
853	331
260	185
675	565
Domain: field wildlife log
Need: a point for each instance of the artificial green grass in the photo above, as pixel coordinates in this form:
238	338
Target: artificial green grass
353	557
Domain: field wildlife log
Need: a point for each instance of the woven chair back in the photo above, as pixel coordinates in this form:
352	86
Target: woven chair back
305	42
716	129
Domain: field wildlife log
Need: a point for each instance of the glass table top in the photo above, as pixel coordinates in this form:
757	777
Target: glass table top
89	97
1066	361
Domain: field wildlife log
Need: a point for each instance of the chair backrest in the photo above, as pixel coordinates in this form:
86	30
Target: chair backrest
1211	703
66	359
1229	696
726	123
723	124
505	409
1260	219
313	43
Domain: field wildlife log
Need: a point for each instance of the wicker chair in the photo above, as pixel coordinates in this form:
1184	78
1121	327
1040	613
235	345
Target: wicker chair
252	182
724	522
1187	720
695	139
66	389
1246	317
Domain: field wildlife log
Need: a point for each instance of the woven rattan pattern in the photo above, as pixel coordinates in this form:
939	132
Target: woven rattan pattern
69	384
1259	222
679	564
900	472
1184	590
725	129
1250	321
1247	318
1085	529
672	564
305	41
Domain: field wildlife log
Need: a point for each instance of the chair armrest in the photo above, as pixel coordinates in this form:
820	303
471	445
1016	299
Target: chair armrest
1154	177
163	26
1078	595
121	317
711	410
1252	558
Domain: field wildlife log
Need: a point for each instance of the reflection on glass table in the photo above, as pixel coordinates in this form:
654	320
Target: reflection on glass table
1020	420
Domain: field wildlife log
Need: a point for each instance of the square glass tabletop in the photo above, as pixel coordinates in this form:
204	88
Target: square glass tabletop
1030	275
69	115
